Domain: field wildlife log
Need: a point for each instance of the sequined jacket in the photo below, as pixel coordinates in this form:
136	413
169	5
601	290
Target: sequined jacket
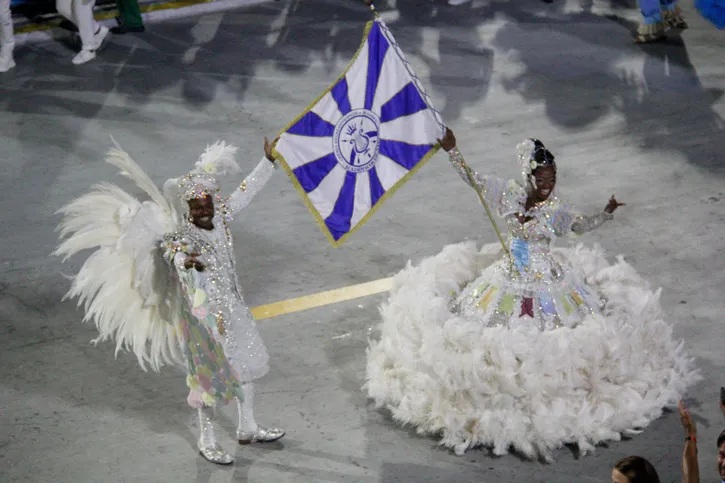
217	286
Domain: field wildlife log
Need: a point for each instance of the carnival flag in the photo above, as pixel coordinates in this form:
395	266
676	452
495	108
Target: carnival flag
363	138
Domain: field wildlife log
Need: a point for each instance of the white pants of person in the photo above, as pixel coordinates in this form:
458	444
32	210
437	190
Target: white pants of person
92	35
7	40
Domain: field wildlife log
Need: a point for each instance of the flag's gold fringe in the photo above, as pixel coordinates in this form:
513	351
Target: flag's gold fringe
300	189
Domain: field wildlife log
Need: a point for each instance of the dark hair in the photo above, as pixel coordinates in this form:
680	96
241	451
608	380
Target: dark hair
721	438
542	156
637	470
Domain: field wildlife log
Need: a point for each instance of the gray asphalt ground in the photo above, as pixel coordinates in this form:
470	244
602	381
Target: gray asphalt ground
645	123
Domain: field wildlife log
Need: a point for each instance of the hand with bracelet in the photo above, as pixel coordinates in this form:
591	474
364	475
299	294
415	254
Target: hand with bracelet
688	424
690	467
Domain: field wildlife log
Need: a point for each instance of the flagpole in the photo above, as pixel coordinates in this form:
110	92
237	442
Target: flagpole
443	128
472	182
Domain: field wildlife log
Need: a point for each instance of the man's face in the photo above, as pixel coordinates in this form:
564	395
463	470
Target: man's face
721	461
201	212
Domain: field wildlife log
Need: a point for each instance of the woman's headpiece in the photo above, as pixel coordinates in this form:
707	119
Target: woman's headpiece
533	155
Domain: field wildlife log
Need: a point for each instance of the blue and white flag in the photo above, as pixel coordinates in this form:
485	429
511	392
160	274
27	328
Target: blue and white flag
363	138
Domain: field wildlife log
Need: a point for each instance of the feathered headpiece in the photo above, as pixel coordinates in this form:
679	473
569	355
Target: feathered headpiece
217	160
526	151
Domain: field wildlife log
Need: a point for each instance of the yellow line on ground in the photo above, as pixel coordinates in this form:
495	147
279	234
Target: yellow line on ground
322	298
113	13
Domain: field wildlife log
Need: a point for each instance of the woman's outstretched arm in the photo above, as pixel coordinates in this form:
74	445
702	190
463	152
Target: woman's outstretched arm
490	187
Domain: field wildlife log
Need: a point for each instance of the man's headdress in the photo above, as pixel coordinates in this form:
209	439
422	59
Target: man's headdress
217	160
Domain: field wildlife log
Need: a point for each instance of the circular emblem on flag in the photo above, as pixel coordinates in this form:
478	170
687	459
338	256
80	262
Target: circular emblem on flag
356	140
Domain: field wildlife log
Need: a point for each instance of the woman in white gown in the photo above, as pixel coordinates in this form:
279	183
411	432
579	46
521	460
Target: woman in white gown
531	347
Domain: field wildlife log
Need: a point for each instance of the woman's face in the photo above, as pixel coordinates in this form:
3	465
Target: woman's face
545	182
618	477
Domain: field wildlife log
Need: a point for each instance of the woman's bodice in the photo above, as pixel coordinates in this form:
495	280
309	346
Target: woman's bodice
530	242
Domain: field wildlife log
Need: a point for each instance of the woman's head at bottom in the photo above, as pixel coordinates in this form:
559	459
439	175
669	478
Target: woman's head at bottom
634	469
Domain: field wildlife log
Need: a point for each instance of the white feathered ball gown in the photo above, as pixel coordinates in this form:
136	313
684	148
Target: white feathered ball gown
528	352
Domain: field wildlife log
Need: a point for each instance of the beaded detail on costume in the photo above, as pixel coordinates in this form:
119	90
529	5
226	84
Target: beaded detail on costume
234	325
208	446
210	377
249	188
491	187
585	224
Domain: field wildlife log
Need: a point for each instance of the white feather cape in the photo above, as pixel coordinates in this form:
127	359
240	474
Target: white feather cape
125	285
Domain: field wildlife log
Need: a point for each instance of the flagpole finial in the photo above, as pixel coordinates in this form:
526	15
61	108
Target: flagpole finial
370	4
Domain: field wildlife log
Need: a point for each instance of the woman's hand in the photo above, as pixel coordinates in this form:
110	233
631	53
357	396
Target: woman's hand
612	205
449	140
687	423
268	148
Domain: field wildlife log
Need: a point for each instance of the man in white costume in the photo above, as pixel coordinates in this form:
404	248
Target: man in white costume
205	244
163	282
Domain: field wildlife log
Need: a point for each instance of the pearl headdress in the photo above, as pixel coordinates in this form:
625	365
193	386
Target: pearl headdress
525	151
216	160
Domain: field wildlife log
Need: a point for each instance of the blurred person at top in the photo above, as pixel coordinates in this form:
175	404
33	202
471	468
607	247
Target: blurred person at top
659	17
129	18
92	34
7	40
